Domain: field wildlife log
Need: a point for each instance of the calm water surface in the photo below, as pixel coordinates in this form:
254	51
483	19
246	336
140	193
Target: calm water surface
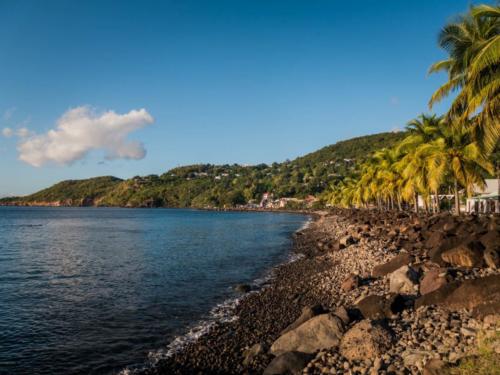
86	290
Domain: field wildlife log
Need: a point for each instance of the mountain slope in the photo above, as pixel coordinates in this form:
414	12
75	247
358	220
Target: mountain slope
206	185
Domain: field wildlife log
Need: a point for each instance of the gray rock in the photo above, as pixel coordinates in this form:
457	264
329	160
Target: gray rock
307	313
288	363
403	280
321	332
343	314
365	340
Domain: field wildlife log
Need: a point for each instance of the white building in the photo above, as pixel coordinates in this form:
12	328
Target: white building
487	199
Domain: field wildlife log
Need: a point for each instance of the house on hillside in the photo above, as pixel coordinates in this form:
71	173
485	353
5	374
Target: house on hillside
485	200
266	200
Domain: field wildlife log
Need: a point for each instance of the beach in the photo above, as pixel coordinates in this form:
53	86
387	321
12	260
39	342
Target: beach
359	269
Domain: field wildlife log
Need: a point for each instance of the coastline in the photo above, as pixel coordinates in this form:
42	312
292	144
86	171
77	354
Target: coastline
217	350
225	312
335	246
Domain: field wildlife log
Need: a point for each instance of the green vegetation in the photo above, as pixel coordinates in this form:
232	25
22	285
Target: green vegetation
435	155
486	362
206	185
448	153
73	192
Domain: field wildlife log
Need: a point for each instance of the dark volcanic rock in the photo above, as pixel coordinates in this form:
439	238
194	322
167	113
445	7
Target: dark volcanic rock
373	307
466	255
433	279
479	294
395	263
378	307
492	258
242	288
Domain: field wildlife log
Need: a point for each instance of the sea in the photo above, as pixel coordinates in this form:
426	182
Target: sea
114	290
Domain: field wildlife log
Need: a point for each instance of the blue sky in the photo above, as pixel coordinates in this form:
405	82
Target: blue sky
222	81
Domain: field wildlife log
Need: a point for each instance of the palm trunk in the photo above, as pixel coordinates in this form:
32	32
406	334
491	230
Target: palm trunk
437	201
457	199
416	202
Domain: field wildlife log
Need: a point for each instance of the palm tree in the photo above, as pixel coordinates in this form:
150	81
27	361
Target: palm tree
473	67
456	152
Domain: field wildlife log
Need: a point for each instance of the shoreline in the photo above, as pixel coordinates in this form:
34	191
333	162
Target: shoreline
316	279
242	310
310	212
225	311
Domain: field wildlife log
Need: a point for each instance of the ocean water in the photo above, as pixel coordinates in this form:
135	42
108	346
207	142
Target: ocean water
100	290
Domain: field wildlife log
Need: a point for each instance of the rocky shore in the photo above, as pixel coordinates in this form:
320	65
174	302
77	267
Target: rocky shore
374	293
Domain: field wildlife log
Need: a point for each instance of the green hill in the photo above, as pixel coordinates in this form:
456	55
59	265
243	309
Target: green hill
206	185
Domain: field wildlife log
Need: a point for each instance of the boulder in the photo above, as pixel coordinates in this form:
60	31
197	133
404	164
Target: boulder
403	280
433	279
486	309
365	340
242	288
306	314
343	314
252	352
446	243
288	363
491	240
434	239
465	255
481	295
350	283
372	307
398	261
321	332
379	307
491	258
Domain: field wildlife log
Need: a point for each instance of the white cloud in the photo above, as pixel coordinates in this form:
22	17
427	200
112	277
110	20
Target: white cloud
79	131
7	132
23	132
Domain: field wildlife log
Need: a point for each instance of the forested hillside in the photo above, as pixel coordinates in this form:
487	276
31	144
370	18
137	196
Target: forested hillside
206	185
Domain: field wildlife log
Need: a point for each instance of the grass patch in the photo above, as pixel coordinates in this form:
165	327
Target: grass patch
486	362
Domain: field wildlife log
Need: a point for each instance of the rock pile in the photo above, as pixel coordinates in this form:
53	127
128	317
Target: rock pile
415	290
375	293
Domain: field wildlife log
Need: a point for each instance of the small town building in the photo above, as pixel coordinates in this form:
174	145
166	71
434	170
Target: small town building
486	200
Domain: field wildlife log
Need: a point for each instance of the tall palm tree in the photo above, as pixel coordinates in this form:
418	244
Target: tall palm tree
473	67
456	151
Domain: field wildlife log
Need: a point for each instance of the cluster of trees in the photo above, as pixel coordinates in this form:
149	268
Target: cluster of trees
452	152
206	185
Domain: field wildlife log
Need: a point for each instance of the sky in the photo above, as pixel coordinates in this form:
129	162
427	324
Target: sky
125	88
